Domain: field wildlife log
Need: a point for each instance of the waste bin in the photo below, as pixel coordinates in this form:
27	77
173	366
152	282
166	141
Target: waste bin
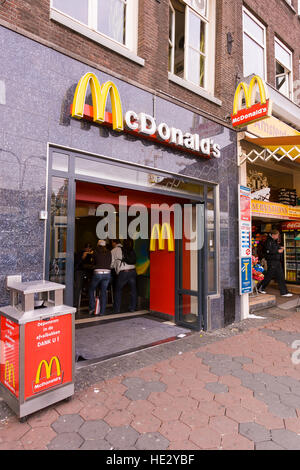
37	353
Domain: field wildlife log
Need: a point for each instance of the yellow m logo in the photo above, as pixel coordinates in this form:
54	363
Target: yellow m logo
48	368
249	94
99	98
10	373
161	234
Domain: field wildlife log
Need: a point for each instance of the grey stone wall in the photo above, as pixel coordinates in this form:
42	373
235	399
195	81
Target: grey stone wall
37	87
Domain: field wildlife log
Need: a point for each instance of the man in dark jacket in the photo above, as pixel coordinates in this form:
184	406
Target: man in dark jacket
272	254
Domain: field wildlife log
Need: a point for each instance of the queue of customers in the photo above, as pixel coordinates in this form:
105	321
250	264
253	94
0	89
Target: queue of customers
116	267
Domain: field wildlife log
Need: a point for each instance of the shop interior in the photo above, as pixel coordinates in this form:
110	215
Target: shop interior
278	183
155	279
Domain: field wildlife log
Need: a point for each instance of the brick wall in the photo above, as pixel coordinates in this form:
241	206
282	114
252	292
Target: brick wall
279	18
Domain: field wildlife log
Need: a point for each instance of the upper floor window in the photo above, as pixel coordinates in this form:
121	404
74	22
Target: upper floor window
254	46
284	67
190	48
113	23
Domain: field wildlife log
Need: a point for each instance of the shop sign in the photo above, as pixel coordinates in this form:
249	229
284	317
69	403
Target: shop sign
274	210
254	111
9	355
245	248
48	354
139	124
162	233
290	226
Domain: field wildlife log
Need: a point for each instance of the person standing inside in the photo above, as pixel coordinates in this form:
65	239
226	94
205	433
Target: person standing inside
273	252
101	277
123	263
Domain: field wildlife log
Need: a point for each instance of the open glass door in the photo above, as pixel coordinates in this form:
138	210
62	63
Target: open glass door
190	278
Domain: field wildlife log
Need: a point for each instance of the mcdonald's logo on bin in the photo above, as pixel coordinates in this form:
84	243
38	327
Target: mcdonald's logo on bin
253	111
48	379
99	99
162	233
9	375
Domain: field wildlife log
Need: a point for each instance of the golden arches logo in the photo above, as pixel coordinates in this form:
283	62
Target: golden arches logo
162	233
99	99
9	374
249	94
48	368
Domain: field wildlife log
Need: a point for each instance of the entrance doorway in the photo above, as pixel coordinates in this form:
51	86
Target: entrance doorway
173	280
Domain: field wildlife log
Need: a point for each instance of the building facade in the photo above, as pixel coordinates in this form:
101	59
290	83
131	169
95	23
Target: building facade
178	62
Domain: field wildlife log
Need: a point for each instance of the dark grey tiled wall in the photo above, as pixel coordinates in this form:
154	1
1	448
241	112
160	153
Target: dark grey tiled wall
39	84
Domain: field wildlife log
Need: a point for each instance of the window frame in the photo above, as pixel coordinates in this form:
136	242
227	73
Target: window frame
290	81
89	30
250	36
207	90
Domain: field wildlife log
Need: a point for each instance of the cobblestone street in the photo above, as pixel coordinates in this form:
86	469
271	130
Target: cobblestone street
239	390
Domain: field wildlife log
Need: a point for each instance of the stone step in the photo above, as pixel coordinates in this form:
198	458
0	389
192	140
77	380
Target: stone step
261	301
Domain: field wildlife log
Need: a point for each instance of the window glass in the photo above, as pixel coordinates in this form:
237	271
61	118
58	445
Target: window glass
253	47
111	19
283	56
254	58
60	161
77	9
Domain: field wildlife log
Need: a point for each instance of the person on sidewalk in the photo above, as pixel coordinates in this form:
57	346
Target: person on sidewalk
123	263
273	253
101	277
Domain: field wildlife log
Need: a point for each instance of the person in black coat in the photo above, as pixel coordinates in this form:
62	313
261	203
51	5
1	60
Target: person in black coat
273	252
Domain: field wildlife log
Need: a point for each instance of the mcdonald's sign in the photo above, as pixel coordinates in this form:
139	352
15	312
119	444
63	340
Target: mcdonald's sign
48	369
162	233
9	374
253	111
99	98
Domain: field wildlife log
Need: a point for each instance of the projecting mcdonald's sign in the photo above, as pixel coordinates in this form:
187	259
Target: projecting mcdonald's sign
139	124
162	233
254	111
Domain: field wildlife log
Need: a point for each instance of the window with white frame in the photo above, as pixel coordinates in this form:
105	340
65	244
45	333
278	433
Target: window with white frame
113	23
284	67
254	46
190	51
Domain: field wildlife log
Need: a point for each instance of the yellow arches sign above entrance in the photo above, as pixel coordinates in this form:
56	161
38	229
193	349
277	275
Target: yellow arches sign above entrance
162	233
99	98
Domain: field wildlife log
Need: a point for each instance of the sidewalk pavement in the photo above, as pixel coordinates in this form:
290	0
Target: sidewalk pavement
237	388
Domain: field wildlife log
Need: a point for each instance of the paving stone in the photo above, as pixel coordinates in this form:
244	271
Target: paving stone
282	410
290	399
38	438
267	379
243	360
268	445
155	386
253	384
267	397
122	437
66	441
132	382
288	381
67	423
94	429
96	444
152	441
205	355
255	432
206	438
278	388
216	387
287	439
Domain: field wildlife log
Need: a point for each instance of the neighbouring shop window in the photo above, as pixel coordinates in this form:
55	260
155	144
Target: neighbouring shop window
284	66
58	230
114	19
189	25
211	248
254	46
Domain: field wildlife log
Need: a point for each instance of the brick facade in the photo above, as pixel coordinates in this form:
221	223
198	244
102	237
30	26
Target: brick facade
34	17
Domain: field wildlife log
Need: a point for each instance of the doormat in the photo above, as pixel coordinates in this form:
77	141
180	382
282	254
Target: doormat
121	337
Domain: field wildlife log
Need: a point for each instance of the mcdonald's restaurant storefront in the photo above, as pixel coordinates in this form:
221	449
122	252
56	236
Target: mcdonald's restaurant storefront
89	142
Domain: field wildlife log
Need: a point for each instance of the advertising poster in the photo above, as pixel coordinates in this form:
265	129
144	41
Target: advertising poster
245	236
48	354
9	355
